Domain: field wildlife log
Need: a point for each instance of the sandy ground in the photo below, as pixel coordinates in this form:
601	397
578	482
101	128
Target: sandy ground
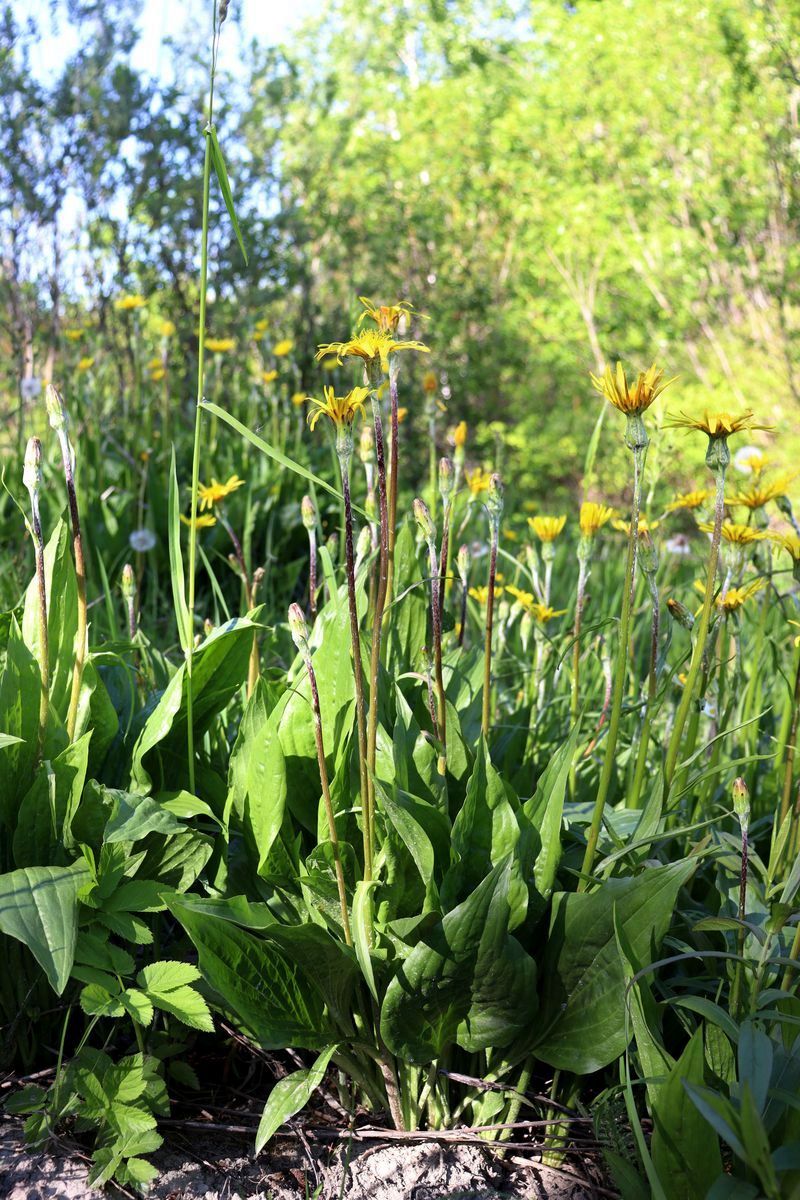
211	1167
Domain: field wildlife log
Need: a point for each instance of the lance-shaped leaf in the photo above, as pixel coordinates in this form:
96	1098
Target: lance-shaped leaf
39	907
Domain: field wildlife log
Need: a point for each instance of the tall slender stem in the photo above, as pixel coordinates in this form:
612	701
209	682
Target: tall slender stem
326	796
377	621
201	348
652	682
702	632
393	468
580	600
358	673
788	770
31	478
620	669
487	648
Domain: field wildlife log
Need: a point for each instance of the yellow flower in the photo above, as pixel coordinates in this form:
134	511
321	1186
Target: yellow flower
789	542
511	535
204	520
167	328
715	425
154	364
643	527
157	374
478	481
547	529
269	376
593	517
758	494
85	363
481	594
340	409
386	316
750	460
330	364
220	345
402	413
429	381
735	597
688	500
126	303
631	400
371	345
737	535
459	435
282	348
540	612
73	335
298	399
212	493
261	325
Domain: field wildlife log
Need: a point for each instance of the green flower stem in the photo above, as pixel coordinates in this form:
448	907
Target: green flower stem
201	349
652	680
380	604
358	673
487	652
80	579
393	469
701	635
44	650
788	770
580	600
620	669
436	621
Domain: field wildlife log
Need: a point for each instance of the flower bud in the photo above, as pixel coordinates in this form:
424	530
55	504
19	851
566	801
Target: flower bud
223	10
648	554
424	520
494	498
298	628
32	469
462	563
446	479
55	408
363	544
741	802
680	613
128	582
371	506
366	443
308	512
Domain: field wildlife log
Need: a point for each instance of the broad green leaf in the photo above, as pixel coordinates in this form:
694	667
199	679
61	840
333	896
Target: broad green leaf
20	691
582	1023
62	616
467	981
43	833
362	921
485	830
545	810
39	907
685	1154
290	1095
136	816
266	790
261	989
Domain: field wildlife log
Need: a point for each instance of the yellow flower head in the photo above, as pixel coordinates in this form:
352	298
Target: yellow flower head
157	374
631	400
154	363
129	302
298	399
789	542
341	410
386	316
204	520
642	528
282	348
715	425
736	535
212	493
402	413
735	597
429	381
460	435
84	364
269	376
750	460
220	345
688	500
167	329
593	517
370	345
73	335
478	481
758	493
547	529
261	326
481	594
540	612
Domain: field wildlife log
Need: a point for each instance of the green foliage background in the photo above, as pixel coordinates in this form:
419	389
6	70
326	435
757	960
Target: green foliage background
554	185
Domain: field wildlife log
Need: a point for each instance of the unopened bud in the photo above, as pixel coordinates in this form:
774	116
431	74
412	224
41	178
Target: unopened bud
462	562
208	627
371	506
648	554
680	613
55	408
332	546
223	10
128	582
446	479
424	520
258	579
32	469
366	443
364	543
308	512
741	802
298	628
494	498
